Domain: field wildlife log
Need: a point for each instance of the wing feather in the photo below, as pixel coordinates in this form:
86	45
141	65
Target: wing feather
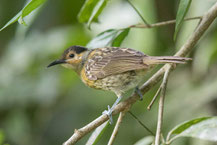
118	61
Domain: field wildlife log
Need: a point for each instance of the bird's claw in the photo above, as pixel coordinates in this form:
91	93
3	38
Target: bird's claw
138	92
109	114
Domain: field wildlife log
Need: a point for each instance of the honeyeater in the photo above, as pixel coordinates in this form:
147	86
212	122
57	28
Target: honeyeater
111	68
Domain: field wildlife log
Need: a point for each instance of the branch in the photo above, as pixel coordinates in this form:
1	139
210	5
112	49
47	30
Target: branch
154	98
207	19
117	126
161	105
163	23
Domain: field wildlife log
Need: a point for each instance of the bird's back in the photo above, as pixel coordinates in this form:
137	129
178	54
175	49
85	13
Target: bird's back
114	69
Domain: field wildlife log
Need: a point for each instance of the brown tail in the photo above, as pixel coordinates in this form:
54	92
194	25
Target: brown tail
164	59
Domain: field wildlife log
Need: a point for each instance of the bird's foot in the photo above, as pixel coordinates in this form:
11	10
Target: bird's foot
109	114
138	92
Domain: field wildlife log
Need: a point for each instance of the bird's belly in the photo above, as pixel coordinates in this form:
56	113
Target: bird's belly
120	82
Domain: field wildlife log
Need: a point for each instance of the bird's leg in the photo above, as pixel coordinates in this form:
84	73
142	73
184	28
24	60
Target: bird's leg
137	91
110	110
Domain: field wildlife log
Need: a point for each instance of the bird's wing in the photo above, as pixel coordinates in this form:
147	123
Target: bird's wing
104	62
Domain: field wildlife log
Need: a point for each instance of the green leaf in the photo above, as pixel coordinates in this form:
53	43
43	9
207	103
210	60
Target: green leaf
202	128
103	39
31	6
120	37
13	20
111	37
97	134
182	127
21	21
96	12
182	11
91	10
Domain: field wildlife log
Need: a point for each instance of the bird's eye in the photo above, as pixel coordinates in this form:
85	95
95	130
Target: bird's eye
71	55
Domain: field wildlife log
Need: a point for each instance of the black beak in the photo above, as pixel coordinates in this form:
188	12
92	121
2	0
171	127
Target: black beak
59	61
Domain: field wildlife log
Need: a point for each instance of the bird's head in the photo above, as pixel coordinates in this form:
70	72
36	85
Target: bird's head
71	57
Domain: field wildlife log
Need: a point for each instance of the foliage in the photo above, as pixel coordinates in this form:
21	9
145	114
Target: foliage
111	37
31	6
182	11
91	10
202	128
97	134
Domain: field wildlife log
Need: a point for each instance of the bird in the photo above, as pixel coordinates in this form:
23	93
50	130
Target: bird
112	69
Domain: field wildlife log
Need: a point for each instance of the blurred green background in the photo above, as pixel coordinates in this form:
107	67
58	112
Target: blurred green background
40	106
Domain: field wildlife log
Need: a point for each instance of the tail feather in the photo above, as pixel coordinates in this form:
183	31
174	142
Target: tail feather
164	59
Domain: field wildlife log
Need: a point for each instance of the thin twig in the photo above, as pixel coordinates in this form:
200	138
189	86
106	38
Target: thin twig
161	105
168	142
143	125
146	23
117	126
162	139
207	19
163	23
154	98
199	22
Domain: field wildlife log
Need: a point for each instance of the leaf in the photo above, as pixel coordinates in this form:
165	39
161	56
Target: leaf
182	11
121	36
103	39
21	21
97	134
13	20
86	10
148	140
202	128
91	10
111	37
31	6
97	11
182	127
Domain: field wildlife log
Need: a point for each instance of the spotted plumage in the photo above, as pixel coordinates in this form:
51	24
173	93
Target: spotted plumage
111	68
114	69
